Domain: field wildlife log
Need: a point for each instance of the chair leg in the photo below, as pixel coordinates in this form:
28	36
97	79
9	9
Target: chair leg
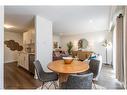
42	85
94	84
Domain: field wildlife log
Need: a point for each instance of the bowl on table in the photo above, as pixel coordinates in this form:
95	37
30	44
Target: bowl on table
67	60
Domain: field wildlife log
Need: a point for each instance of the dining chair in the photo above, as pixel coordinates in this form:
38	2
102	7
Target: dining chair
78	82
45	77
94	66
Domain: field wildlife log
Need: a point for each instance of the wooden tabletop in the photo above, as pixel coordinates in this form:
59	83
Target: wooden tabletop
75	67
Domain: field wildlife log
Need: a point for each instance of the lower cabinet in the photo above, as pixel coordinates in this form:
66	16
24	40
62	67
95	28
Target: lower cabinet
26	60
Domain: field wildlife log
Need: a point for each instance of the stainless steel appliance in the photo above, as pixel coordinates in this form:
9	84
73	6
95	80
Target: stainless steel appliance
31	65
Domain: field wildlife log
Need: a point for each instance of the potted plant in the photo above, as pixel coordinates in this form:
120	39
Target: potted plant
70	46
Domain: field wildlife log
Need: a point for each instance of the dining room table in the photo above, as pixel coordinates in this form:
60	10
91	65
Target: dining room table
64	70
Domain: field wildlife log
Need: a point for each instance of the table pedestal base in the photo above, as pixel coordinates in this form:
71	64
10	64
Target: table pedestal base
62	78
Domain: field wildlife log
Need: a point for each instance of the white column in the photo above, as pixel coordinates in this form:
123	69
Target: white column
1	45
43	28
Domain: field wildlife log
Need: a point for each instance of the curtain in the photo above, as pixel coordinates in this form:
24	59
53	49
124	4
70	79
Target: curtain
125	48
119	49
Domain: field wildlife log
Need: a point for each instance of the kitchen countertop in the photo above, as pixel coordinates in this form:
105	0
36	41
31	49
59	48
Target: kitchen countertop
27	52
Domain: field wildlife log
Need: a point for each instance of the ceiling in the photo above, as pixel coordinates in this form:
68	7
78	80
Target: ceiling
66	19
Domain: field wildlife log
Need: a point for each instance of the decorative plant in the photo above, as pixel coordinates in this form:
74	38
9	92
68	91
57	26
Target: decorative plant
70	46
106	43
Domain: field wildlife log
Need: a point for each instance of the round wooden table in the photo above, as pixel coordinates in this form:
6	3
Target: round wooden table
65	69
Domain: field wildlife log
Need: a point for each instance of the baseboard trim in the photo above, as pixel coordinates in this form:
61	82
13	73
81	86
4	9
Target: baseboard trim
11	62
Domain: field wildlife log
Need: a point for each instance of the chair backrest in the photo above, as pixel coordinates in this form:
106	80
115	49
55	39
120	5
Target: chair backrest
94	67
80	81
39	69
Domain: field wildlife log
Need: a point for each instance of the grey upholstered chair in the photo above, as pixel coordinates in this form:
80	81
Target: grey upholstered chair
78	82
94	66
45	77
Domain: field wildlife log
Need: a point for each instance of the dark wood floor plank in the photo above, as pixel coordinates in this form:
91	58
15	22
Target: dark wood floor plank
18	78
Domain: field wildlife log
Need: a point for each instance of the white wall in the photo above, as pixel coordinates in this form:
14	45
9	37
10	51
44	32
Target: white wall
110	49
56	38
125	48
1	45
95	40
114	49
43	28
9	55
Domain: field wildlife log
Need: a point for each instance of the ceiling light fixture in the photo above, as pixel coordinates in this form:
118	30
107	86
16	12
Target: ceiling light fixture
91	21
8	26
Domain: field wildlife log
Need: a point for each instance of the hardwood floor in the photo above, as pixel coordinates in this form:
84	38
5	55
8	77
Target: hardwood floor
18	78
107	78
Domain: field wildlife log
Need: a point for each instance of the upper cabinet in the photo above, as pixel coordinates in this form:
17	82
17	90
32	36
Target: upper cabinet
33	36
26	37
29	37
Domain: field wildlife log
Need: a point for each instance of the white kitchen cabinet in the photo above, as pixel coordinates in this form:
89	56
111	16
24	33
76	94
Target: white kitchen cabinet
29	37
20	59
26	37
23	60
33	36
26	62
